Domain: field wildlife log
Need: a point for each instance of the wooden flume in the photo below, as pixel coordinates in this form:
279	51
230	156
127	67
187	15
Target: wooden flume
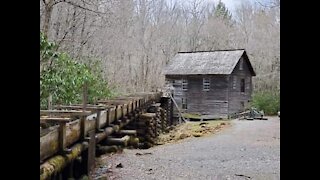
110	119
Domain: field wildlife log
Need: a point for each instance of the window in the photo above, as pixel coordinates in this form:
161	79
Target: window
184	84
241	64
206	84
175	82
184	103
248	83
234	82
242	85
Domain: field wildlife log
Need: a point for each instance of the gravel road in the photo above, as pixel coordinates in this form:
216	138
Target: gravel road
245	150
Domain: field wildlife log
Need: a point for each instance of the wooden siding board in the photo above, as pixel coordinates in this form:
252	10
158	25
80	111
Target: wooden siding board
235	96
213	101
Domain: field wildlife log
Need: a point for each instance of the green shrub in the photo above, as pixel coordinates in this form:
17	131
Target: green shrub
64	78
268	101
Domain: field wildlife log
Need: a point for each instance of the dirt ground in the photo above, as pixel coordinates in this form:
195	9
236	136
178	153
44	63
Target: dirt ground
242	150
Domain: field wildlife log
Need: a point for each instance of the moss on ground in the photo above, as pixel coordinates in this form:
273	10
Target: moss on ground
191	116
192	129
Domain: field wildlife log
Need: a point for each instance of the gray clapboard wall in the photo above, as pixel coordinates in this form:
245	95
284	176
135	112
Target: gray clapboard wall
223	96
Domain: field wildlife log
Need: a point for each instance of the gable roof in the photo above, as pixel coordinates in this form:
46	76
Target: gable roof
206	62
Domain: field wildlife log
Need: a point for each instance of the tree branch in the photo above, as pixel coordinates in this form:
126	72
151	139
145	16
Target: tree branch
78	6
267	6
57	2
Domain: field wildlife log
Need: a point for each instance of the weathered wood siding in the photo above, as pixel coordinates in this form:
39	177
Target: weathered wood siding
235	95
212	102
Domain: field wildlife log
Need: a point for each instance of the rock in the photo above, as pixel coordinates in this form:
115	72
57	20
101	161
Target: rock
183	136
197	134
119	165
203	123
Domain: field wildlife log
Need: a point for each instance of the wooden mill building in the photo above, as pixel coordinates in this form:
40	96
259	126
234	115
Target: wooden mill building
216	83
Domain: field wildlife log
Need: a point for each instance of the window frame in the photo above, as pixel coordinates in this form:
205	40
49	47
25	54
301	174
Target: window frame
184	103
184	85
206	84
234	82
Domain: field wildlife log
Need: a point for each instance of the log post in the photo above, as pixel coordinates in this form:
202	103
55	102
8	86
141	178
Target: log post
62	136
108	117
70	170
122	112
118	141
128	132
116	112
83	118
90	154
98	120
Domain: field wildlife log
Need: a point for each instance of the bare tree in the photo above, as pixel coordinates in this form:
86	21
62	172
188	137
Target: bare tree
135	39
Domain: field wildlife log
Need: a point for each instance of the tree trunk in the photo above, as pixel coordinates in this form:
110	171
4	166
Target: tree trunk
47	17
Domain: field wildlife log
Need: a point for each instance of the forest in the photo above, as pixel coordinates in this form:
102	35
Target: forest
122	46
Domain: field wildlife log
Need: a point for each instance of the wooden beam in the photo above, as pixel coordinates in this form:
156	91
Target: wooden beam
65	113
128	132
62	136
57	163
90	108
118	141
89	105
54	119
83	118
114	102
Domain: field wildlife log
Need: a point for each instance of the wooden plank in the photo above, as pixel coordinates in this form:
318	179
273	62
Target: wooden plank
54	119
98	121
62	136
65	113
114	102
90	108
88	105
